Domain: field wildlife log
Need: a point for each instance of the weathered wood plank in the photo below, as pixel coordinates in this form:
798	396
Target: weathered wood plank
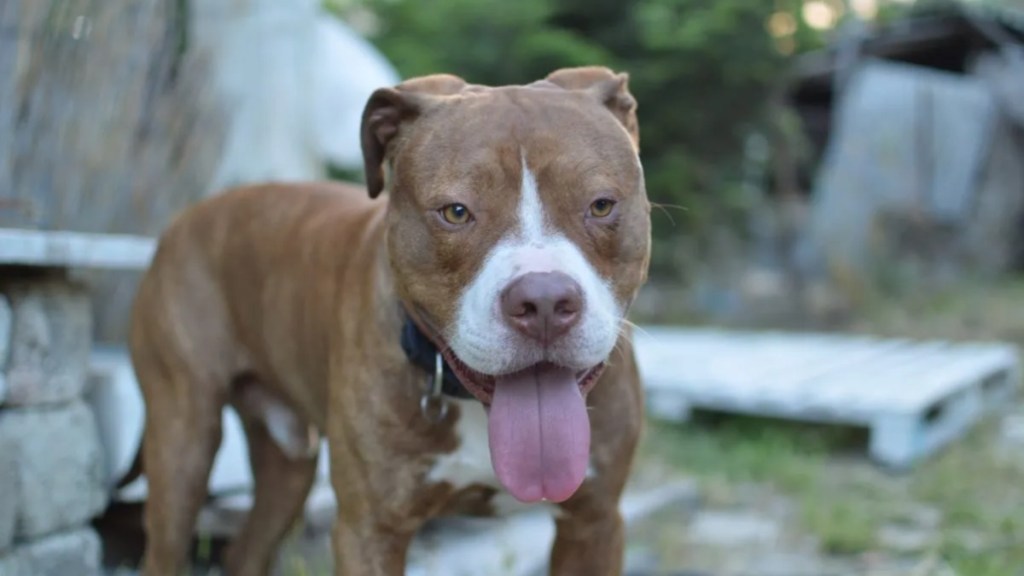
75	249
915	396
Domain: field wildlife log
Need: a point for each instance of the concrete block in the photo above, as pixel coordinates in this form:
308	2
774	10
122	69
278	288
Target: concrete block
77	552
59	467
51	332
9	490
5	330
5	343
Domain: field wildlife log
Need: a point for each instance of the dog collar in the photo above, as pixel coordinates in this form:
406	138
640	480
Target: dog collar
422	352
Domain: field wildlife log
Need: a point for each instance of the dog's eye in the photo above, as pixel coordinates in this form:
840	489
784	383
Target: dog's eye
456	214
601	207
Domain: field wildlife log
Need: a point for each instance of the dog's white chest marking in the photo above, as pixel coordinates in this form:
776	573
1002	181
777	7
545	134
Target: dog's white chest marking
470	463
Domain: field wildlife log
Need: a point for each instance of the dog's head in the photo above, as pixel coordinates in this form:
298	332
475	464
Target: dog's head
518	225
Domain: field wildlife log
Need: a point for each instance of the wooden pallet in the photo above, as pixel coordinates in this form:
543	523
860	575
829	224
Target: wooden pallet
915	397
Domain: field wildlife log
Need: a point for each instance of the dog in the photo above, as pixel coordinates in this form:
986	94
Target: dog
456	329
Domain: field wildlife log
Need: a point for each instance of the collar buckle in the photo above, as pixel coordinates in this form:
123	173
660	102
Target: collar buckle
433	404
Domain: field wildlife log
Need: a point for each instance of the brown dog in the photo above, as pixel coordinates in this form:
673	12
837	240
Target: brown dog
514	236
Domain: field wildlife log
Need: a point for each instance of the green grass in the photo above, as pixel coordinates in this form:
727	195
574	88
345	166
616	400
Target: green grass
728	453
980	495
843	501
844	526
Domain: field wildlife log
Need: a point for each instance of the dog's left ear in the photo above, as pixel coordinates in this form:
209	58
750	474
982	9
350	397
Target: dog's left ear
385	113
609	88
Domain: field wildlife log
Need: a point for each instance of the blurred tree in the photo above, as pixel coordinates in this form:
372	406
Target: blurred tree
702	70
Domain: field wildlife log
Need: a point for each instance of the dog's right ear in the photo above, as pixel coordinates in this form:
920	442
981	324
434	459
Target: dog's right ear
385	113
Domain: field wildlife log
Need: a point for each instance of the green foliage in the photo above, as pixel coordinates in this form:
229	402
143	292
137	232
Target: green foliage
702	71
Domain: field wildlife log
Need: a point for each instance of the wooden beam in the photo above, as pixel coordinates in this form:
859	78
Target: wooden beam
75	249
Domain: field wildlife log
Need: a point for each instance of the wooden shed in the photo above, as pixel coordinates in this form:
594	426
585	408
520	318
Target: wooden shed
920	130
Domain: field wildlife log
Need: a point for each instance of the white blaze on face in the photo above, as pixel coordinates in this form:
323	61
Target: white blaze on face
481	338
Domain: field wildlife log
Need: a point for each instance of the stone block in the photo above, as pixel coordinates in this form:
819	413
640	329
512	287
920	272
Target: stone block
729	529
58	461
8	492
5	344
77	552
5	330
50	338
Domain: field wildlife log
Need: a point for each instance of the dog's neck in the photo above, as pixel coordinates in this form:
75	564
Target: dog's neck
423	353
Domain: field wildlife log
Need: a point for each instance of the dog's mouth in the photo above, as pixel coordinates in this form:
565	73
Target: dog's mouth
537	425
481	385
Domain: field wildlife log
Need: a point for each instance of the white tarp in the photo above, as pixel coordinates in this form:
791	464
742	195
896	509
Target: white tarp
293	79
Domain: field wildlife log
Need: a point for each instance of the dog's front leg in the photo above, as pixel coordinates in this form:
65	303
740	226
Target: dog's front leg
590	536
376	520
372	532
363	548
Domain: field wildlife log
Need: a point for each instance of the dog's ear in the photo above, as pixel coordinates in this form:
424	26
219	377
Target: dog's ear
385	113
609	88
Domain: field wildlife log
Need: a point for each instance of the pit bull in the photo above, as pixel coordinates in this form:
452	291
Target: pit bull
456	330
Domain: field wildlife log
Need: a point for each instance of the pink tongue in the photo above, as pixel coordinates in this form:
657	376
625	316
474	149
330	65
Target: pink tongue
539	433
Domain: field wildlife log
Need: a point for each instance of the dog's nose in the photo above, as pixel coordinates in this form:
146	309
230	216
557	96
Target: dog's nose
542	305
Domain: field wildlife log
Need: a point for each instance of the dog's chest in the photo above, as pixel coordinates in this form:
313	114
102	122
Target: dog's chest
469	465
